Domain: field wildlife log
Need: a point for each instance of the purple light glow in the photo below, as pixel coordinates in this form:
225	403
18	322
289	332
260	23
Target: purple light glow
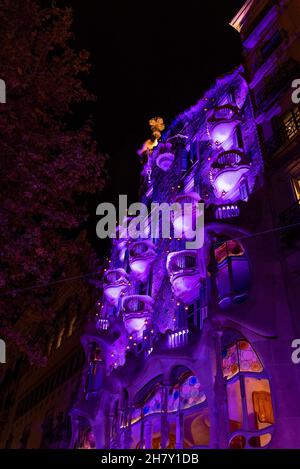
228	179
141	258
184	273
184	221
221	123
115	283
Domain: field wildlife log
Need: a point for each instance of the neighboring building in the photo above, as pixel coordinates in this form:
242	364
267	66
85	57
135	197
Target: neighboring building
270	31
35	401
192	348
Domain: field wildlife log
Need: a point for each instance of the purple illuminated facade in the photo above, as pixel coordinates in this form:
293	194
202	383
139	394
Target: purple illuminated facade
192	348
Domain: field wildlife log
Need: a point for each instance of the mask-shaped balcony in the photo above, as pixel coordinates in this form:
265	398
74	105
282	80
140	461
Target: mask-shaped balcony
164	156
115	282
137	314
141	257
185	275
227	172
221	122
184	220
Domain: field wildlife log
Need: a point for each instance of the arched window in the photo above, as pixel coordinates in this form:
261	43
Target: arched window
250	408
182	403
233	275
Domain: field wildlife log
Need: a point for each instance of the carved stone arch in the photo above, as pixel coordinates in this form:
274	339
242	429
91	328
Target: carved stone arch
152	368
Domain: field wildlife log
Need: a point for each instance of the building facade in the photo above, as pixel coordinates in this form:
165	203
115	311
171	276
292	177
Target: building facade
36	400
191	348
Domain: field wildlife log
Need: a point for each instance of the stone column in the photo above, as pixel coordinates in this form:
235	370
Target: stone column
75	430
127	439
98	427
164	418
148	434
142	431
179	430
111	419
220	396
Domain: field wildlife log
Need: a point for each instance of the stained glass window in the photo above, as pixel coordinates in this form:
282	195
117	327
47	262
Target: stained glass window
230	362
262	403
249	361
191	393
153	406
240	357
173	399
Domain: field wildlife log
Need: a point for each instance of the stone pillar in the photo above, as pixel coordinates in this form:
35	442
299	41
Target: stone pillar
142	431
244	403
111	419
148	434
127	439
98	427
164	418
179	430
220	410
75	430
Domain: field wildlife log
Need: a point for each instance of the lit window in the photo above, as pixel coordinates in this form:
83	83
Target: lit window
240	357
71	326
262	403
59	337
296	187
249	400
291	123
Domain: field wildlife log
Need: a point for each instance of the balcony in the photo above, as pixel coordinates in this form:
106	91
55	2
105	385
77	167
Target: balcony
221	122
184	273
115	282
137	315
184	220
141	257
227	172
164	156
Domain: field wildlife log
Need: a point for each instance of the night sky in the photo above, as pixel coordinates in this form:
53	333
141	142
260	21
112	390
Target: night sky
154	59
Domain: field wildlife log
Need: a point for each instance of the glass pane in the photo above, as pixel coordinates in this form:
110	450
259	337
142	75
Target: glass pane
235	409
238	442
260	441
173	399
259	403
153	405
290	126
230	362
249	361
296	186
191	393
